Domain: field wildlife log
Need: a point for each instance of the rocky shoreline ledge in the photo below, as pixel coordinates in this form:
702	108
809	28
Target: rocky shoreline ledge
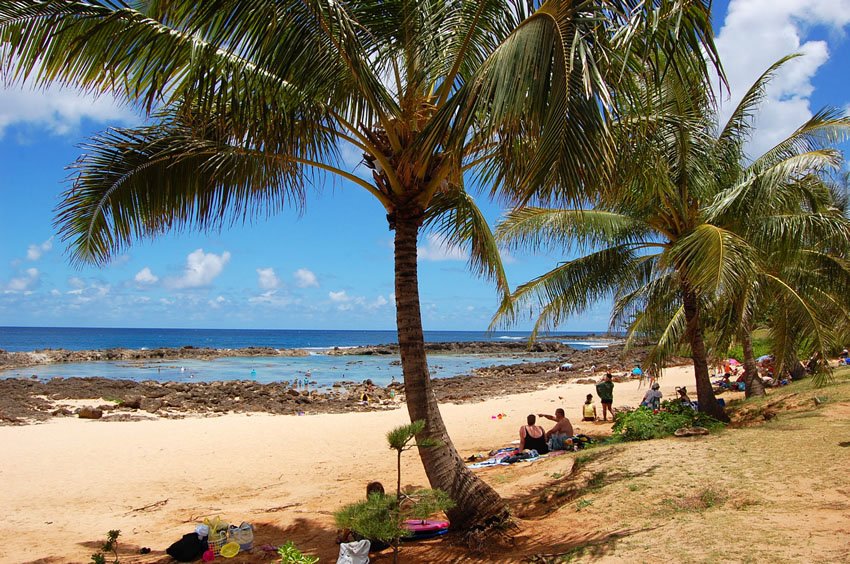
29	400
10	360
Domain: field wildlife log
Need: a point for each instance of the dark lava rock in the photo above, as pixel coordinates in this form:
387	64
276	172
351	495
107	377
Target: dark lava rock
132	402
151	404
90	413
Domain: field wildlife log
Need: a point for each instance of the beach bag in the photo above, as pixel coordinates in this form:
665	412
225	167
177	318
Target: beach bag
216	540
580	441
188	549
243	534
354	552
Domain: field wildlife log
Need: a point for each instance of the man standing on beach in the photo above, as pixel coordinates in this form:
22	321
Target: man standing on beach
605	391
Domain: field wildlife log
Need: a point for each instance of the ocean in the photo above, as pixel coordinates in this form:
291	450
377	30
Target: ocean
322	368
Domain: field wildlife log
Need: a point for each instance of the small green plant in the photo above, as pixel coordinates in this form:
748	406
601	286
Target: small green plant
643	423
381	517
289	554
582	503
110	545
696	502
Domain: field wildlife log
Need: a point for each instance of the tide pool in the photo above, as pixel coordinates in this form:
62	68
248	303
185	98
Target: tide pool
323	369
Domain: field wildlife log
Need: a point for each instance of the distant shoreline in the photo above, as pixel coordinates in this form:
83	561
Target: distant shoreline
13	360
29	400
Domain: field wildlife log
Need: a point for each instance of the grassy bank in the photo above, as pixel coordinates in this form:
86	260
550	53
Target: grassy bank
770	488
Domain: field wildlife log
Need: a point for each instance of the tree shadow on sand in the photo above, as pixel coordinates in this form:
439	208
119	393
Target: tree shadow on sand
588	474
310	537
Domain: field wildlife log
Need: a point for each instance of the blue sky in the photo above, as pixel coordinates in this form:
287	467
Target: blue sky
330	268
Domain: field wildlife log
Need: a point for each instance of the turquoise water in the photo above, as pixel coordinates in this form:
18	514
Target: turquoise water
324	369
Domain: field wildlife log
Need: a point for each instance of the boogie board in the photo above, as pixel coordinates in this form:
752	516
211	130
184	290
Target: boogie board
425	529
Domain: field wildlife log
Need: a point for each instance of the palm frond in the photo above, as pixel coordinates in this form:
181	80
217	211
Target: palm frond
739	125
712	259
455	216
568	289
548	229
136	183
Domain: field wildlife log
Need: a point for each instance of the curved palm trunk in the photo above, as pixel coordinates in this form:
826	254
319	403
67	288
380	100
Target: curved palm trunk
755	387
476	502
705	393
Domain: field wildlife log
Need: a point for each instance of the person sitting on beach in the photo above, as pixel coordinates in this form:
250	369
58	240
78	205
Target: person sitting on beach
347	535
684	399
588	410
562	424
652	398
532	436
369	394
558	436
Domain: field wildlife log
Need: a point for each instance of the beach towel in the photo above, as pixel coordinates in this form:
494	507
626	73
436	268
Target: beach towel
354	552
524	456
497	458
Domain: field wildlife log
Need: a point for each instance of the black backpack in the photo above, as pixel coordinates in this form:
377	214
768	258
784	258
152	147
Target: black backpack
188	549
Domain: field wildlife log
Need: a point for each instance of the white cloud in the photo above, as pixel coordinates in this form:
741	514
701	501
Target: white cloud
35	251
145	276
339	297
24	283
218	302
755	34
436	248
272	298
58	110
75	282
201	269
306	279
267	279
380	301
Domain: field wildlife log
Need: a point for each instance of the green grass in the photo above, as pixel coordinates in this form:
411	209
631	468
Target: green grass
762	345
583	503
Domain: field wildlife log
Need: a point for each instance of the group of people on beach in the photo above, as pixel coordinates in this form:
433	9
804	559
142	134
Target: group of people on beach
533	436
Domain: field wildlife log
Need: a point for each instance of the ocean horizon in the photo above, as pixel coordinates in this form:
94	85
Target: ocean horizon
25	339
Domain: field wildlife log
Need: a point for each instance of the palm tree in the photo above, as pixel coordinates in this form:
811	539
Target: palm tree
251	99
783	202
685	225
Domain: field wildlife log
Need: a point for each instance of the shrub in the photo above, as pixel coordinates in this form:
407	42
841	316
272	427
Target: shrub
643	423
110	545
381	517
289	554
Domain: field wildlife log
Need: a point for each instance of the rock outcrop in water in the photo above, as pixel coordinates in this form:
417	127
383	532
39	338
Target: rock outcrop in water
52	356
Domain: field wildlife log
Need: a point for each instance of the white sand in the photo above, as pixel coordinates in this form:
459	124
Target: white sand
67	482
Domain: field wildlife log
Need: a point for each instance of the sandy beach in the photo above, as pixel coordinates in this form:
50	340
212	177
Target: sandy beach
68	481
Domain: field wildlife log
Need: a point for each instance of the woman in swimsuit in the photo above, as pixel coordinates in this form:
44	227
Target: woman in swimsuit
532	436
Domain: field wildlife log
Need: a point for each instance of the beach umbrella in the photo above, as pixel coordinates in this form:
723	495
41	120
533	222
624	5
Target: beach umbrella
763	357
733	362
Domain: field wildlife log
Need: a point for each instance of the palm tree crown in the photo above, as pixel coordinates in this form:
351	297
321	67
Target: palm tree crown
687	223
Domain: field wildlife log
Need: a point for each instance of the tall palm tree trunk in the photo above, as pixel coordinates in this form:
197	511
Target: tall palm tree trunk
755	387
705	393
476	503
